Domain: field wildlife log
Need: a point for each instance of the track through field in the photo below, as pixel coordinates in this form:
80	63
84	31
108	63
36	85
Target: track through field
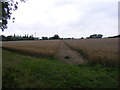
67	55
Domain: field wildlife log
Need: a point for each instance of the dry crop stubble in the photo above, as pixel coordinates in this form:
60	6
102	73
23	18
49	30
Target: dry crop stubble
103	51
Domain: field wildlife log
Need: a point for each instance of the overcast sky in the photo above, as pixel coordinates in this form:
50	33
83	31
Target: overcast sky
67	18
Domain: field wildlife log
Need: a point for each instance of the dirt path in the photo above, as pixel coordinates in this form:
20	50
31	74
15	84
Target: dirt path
67	55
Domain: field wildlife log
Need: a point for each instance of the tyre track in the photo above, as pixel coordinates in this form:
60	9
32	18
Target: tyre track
67	55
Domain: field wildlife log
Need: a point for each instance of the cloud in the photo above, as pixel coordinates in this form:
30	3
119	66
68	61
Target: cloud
68	18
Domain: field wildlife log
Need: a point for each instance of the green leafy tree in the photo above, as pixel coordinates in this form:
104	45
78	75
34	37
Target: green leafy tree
56	36
6	8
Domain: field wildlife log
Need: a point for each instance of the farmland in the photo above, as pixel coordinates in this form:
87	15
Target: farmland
102	51
35	48
37	64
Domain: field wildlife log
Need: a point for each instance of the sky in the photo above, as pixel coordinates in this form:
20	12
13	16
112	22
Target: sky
67	18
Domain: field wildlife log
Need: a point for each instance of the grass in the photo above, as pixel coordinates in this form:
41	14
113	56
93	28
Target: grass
21	71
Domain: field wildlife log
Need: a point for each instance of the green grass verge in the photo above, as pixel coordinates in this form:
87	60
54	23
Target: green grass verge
29	72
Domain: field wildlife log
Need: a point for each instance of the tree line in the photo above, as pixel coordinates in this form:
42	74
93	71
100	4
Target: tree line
55	37
17	37
26	37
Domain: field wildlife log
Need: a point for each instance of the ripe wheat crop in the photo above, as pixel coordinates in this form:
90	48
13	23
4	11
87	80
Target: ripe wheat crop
103	51
37	48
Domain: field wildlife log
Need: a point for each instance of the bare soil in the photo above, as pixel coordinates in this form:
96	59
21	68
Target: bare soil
67	55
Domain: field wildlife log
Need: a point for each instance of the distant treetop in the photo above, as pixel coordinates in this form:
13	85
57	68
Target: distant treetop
95	36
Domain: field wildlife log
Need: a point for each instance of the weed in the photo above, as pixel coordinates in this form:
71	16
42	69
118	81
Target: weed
67	57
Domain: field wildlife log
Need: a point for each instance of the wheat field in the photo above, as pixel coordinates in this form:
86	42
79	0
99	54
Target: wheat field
101	51
38	48
104	51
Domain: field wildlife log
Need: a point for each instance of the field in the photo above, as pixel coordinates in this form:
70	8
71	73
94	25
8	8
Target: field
37	48
102	51
37	64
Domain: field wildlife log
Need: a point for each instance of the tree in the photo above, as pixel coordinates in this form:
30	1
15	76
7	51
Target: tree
44	38
99	36
95	36
82	37
6	11
56	36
